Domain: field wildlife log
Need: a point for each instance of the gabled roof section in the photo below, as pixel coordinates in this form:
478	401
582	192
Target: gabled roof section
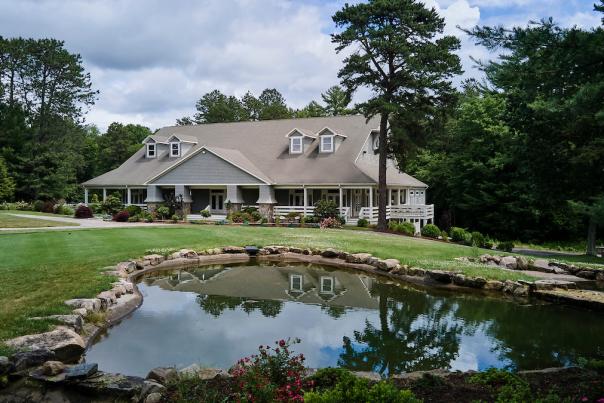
154	139
301	132
233	157
394	177
183	138
327	130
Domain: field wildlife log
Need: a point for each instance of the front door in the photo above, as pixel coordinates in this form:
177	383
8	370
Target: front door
217	202
357	201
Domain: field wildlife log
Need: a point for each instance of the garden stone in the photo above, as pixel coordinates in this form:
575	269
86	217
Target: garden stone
107	299
440	276
81	371
128	266
162	375
151	387
114	384
187	253
415	271
90	304
387	264
153	398
82	312
522	291
295	250
154	259
233	249
485	258
522	263
509	262
6	366
493	285
560	265
307	252
600	275
28	359
551	284
358	258
541	265
206	374
472	282
189	371
587	274
73	321
64	342
330	253
52	368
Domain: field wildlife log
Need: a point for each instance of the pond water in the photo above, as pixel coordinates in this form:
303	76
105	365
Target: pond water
215	315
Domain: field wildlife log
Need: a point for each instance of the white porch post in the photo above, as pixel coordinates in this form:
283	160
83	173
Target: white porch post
104	194
129	195
305	199
341	201
370	203
389	197
85	195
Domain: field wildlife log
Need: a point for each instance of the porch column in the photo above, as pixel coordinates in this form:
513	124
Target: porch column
104	194
389	197
129	196
85	195
154	197
305	198
182	190
370	204
234	198
266	201
341	200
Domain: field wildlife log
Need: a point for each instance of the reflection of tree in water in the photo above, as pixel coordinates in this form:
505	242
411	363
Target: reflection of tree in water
416	332
335	312
215	305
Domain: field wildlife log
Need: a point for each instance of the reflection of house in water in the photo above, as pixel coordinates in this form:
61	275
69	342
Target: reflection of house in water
307	284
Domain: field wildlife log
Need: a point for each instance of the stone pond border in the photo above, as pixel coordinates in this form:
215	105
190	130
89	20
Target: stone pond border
44	355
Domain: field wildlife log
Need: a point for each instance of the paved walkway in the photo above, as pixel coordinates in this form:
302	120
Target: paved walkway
83	223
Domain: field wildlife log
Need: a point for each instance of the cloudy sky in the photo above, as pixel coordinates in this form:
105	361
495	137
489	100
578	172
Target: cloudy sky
152	59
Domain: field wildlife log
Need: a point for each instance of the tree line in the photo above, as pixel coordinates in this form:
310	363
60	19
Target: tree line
518	154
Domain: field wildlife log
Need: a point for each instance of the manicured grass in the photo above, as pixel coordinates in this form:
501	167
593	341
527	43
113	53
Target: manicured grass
40	270
11	221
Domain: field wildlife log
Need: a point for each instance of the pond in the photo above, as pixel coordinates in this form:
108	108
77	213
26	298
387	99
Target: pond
214	315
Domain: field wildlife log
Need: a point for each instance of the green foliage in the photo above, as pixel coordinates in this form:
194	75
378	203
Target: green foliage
363	223
163	212
478	239
403	227
505	246
430	231
7	184
133	210
457	234
205	213
336	101
175	218
63	209
312	110
326	209
118	144
444	236
509	387
348	388
330	222
249	216
112	205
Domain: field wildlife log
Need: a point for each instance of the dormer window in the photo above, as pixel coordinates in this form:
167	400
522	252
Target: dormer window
327	144
295	145
174	149
151	150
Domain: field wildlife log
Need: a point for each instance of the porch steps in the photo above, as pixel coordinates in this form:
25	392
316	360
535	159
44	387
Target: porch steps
213	217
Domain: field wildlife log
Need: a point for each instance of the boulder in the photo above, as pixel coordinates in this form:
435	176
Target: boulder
600	275
153	259
90	304
153	398
27	359
541	265
74	321
417	375
358	258
387	264
128	286
295	250
190	371
587	274
150	387
551	284
521	263
116	385
206	374
307	251
416	271
439	275
162	375
233	249
52	368
81	371
330	253
66	344
127	267
107	299
495	285
118	289
82	312
509	262
6	366
187	253
472	282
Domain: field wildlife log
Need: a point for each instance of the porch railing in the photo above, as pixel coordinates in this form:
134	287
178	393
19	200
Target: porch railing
402	212
308	210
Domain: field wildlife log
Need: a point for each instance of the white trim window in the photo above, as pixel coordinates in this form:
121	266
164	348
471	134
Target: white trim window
295	145
151	150
175	149
327	285
296	282
327	144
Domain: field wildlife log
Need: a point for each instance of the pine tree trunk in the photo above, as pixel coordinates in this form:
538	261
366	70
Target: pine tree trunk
382	190
591	237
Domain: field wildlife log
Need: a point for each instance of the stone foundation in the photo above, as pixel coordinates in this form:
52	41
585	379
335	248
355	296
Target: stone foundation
234	207
267	210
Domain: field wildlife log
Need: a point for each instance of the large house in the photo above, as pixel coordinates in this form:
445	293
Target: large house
279	166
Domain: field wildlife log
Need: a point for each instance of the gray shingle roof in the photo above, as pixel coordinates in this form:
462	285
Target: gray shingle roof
260	148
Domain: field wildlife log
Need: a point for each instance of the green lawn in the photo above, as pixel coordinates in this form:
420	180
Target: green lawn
11	221
40	270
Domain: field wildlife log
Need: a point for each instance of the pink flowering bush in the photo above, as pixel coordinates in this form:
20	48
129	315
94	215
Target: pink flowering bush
331	222
272	375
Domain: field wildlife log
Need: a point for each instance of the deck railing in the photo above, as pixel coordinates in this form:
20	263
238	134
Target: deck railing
401	212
